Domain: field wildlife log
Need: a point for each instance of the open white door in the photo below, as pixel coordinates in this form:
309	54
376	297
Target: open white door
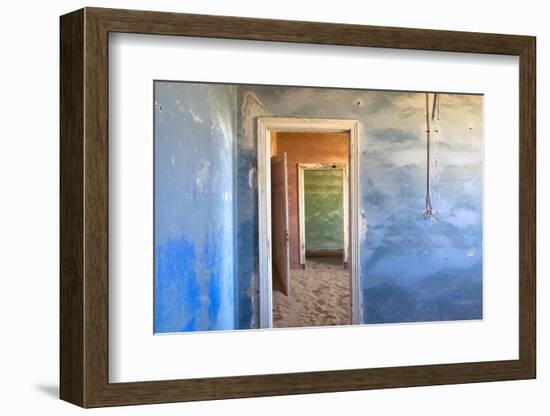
279	221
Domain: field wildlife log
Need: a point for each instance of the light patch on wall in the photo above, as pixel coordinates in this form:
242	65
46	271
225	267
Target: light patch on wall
254	294
251	108
196	117
463	218
252	178
203	175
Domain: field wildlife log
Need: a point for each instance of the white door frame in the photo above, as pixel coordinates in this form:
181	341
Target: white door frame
266	126
302	167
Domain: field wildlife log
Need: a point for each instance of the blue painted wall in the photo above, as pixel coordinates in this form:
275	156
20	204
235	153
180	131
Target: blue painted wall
194	209
206	221
412	268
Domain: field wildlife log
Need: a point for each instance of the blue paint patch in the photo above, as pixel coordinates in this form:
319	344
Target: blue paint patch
190	326
395	135
176	284
214	297
443	296
248	266
213	263
247	236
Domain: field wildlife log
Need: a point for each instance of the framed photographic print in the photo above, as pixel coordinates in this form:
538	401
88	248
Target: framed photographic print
256	207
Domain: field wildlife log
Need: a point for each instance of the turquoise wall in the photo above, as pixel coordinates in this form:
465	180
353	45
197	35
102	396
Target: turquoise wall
323	209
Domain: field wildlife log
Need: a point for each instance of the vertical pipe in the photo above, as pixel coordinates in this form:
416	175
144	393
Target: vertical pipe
428	211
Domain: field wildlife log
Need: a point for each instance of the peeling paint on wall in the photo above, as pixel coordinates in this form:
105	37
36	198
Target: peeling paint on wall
252	178
194	225
251	107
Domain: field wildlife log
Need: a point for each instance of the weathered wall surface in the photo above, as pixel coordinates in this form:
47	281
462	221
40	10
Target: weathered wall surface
323	210
307	148
206	219
248	109
412	268
194	209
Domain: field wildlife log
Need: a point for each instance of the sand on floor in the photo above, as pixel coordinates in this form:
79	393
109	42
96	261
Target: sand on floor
319	295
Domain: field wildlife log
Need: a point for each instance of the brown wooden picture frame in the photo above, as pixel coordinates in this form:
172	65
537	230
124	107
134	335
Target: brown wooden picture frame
84	207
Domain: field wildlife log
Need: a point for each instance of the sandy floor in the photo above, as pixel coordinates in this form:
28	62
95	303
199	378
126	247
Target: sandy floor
319	295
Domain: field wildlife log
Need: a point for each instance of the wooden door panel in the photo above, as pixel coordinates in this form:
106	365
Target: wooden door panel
279	221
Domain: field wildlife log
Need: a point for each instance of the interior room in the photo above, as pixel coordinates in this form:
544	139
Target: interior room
319	285
216	204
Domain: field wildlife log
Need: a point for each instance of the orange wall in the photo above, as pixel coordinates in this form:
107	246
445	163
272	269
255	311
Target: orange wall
307	148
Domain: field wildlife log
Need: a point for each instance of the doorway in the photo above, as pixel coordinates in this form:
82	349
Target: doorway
284	257
323	211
